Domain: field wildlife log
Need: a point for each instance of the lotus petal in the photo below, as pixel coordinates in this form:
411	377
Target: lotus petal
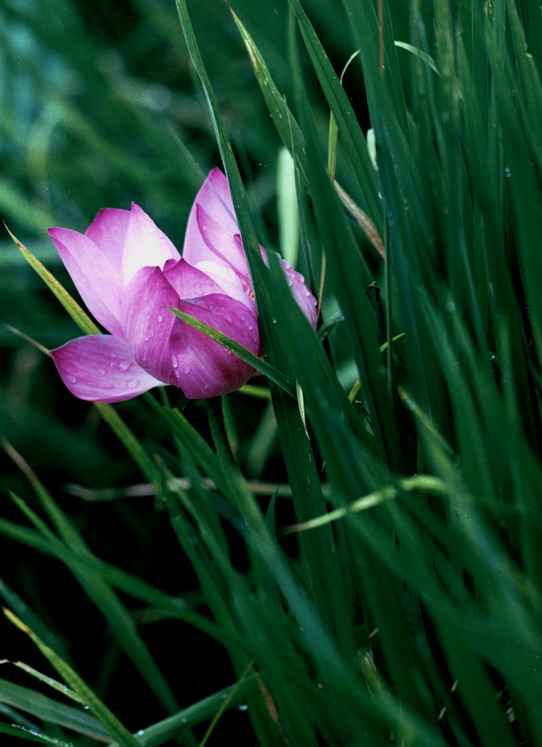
225	246
96	279
302	294
148	321
215	198
108	231
146	245
205	368
101	368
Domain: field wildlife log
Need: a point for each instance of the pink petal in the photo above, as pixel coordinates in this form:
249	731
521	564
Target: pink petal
108	231
215	198
203	367
94	276
146	245
148	322
189	281
222	245
302	294
208	277
101	368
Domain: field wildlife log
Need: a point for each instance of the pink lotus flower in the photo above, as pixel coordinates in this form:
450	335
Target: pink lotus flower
129	274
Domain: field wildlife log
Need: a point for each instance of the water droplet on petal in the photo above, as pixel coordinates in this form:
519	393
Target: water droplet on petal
174	362
72	379
132	383
160	318
124	365
102	371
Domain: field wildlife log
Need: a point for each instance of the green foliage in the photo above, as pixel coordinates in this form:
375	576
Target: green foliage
365	542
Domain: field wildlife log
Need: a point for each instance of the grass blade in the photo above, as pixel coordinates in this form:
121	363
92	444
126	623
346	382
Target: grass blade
110	722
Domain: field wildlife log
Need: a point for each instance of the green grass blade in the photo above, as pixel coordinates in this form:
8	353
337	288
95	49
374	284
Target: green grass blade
51	711
283	119
110	722
349	129
197	713
80	317
260	365
129	440
98	590
30	735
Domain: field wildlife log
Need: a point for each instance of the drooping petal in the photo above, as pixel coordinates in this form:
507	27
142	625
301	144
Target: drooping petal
146	245
148	322
302	294
215	198
203	367
96	279
108	231
101	368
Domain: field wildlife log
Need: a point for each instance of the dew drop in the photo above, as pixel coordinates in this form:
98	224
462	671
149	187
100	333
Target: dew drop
102	371
274	321
174	362
242	708
124	365
72	379
132	383
160	318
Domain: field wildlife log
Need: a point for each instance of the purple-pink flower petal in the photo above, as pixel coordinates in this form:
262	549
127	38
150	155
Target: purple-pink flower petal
130	275
215	198
145	245
189	281
205	368
101	368
96	279
108	232
222	244
305	300
148	321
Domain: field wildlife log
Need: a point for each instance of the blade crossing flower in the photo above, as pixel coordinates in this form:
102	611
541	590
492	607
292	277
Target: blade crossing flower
129	274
